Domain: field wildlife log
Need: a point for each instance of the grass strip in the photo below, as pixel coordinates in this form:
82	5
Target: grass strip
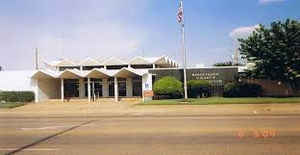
221	100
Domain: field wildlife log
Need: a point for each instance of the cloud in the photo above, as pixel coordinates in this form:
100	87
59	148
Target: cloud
270	1
99	40
61	30
242	32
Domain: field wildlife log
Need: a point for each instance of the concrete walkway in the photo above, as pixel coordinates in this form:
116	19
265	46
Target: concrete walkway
132	109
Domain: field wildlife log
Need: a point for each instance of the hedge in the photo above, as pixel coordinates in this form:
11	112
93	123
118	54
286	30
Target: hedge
16	96
169	86
198	88
242	90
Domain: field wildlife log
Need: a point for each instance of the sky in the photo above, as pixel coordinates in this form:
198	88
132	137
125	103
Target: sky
77	29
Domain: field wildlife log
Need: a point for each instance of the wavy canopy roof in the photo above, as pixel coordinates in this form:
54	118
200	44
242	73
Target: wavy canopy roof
112	61
95	73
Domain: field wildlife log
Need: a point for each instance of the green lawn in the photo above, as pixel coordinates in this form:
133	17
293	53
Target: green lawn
11	105
221	100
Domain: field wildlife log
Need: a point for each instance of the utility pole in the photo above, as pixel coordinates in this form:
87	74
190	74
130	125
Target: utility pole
36	59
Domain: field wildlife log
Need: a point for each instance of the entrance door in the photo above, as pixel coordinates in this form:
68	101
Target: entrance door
96	88
137	86
122	86
71	88
111	85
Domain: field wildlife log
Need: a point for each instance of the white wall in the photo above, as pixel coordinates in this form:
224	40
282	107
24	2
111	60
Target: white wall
147	85
21	81
147	82
16	81
129	87
48	89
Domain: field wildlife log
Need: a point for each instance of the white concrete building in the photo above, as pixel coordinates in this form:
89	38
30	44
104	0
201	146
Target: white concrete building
88	79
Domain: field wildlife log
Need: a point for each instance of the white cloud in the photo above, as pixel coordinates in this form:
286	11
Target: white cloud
93	28
242	32
105	39
270	1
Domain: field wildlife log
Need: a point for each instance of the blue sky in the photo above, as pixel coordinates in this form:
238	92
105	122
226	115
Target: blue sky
126	28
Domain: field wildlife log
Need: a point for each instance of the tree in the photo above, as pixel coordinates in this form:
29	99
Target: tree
275	50
168	86
198	88
220	64
226	63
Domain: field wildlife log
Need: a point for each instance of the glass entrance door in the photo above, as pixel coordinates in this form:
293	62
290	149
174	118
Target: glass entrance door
96	88
111	85
122	86
71	88
137	86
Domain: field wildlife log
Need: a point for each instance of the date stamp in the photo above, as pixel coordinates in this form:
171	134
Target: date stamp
257	133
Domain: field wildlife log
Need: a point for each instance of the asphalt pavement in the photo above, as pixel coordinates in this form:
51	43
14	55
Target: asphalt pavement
142	135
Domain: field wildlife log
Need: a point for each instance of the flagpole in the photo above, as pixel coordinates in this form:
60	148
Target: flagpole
184	54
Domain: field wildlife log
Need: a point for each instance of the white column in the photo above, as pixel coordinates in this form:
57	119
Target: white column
129	87
105	88
147	85
36	96
153	65
81	89
89	89
116	90
62	90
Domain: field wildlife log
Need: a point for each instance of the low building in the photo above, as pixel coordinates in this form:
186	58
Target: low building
92	78
108	78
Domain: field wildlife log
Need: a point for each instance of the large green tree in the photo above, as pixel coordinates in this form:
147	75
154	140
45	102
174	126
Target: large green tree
275	50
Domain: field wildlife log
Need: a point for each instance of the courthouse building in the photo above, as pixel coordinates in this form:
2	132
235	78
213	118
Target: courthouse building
92	79
113	78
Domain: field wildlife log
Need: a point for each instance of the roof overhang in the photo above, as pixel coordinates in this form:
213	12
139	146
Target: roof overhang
114	62
139	61
90	62
70	74
40	74
65	63
128	72
97	73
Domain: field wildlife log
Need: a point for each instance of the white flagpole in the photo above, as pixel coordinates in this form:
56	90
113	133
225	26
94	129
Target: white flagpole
184	53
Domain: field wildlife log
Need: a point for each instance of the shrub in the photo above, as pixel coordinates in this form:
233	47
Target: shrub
198	88
168	86
16	96
242	90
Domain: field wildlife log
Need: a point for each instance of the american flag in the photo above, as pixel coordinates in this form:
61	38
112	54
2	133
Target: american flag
180	13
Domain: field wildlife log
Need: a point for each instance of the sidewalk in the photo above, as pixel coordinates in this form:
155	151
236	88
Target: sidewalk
125	109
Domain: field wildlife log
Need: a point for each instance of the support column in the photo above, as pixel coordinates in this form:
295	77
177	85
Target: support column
89	89
129	86
116	89
147	86
105	88
36	96
81	89
62	90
